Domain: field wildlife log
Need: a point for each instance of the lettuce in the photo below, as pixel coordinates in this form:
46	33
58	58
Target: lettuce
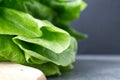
27	40
36	33
59	12
9	51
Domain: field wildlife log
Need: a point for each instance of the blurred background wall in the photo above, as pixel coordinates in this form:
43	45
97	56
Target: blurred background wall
101	21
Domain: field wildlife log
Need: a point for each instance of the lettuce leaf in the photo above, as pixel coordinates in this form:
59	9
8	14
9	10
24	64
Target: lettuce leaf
32	7
29	41
65	7
49	69
27	37
9	51
41	57
17	23
40	32
64	58
59	12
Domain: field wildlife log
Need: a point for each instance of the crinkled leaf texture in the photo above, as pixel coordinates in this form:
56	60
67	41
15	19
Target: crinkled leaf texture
9	51
33	42
25	27
64	10
59	12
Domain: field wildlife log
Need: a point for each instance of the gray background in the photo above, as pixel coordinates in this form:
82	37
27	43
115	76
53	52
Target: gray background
101	21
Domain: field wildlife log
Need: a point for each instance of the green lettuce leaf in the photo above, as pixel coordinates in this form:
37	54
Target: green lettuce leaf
49	69
17	23
9	51
64	58
26	37
83	5
59	12
66	10
48	9
32	7
34	42
40	57
39	32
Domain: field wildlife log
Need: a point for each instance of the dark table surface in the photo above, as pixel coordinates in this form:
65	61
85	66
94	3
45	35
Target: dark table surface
93	68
